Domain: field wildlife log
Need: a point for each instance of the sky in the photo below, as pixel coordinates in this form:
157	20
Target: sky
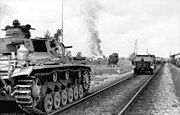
102	27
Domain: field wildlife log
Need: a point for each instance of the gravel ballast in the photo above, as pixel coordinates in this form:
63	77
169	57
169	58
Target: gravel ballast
159	98
110	101
175	72
100	81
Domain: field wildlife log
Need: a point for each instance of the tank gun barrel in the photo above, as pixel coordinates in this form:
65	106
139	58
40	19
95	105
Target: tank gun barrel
32	28
68	47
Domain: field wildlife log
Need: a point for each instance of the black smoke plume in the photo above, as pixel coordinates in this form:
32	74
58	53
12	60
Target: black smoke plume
91	17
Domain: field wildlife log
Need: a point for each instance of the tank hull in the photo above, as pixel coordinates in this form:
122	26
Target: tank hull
26	90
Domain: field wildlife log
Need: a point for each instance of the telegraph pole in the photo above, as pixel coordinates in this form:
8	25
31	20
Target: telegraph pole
136	48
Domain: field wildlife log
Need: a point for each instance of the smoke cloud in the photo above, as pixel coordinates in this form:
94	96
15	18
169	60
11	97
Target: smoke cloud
91	16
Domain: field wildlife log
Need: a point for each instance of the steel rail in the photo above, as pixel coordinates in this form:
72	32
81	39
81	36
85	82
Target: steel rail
137	95
90	95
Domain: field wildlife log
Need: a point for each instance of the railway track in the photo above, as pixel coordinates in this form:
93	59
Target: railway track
137	95
90	95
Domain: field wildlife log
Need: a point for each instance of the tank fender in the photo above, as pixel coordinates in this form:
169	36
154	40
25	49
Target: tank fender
26	71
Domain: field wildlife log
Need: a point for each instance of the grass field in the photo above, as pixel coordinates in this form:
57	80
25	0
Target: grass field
102	68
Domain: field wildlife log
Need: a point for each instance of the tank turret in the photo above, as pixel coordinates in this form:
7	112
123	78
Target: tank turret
17	30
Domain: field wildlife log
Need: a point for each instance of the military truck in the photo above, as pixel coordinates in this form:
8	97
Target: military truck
144	64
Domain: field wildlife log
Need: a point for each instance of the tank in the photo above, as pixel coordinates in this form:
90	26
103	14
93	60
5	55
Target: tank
144	64
34	73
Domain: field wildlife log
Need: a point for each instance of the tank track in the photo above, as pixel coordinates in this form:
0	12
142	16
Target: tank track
23	94
24	98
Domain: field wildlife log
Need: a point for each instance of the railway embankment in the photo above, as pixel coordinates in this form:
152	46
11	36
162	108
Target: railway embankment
161	96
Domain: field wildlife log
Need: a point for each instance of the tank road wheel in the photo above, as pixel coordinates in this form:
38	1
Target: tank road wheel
79	80
55	77
86	80
67	75
79	74
57	100
64	97
48	103
81	92
36	89
70	95
75	92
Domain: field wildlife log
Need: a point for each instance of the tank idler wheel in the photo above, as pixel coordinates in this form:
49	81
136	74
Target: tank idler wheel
48	103
75	92
81	92
86	80
70	95
57	100
64	97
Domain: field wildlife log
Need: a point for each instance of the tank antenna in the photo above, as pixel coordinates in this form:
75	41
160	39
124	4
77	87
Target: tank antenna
62	22
137	47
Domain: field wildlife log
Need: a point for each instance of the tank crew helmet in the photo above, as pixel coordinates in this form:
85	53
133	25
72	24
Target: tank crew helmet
28	26
16	23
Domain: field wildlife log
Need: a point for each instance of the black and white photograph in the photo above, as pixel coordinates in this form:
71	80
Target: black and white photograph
89	57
